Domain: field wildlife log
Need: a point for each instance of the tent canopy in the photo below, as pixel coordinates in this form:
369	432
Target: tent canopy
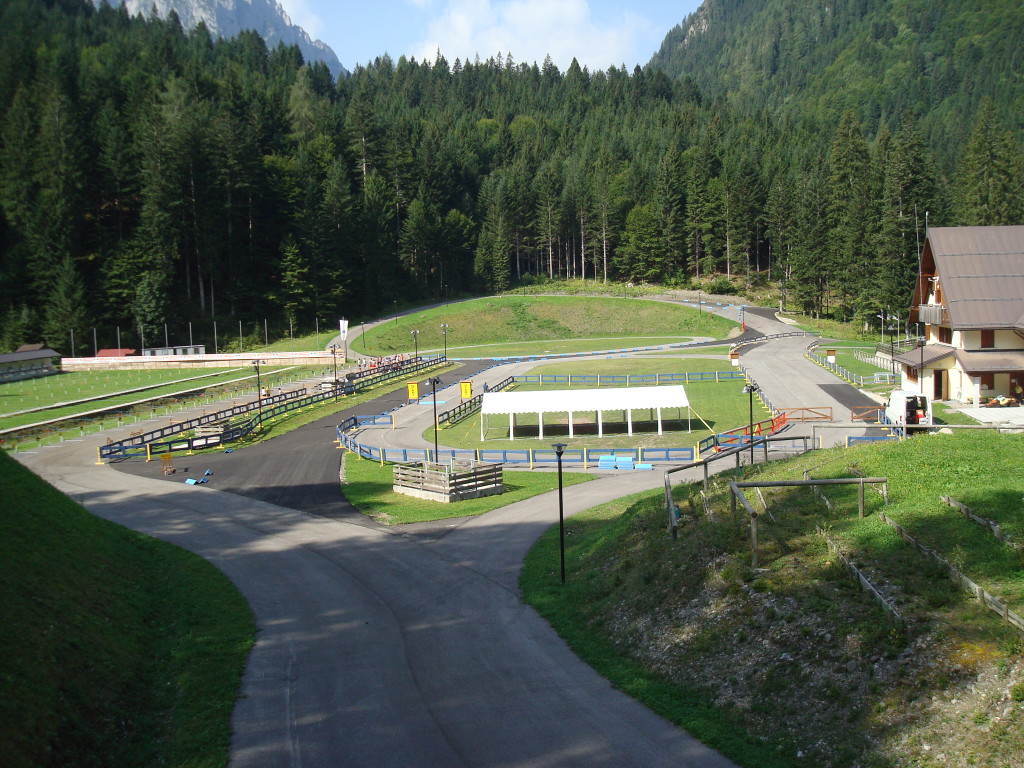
566	400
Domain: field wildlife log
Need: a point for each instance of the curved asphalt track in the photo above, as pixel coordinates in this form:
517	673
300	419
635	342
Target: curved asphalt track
386	647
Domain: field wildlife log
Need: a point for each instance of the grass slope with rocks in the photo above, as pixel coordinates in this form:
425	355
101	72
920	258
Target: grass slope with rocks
792	663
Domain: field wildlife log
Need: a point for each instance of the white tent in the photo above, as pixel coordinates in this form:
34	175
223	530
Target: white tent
626	399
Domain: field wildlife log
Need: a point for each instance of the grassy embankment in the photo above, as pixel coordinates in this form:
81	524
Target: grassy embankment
115	649
535	325
794	656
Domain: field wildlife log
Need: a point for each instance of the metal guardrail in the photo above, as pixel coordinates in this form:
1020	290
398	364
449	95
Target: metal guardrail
529	456
861	381
462	410
740	435
131	446
670	507
619	380
148	443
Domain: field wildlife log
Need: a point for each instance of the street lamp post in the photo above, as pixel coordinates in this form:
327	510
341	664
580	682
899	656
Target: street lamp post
434	381
415	343
334	354
259	394
559	449
750	389
444	332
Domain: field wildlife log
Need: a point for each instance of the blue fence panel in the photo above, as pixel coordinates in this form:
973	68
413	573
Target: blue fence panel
586	378
593	454
379	418
668	454
505	457
613	380
643	378
446	454
548	456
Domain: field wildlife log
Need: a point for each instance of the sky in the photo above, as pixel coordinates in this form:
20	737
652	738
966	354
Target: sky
599	33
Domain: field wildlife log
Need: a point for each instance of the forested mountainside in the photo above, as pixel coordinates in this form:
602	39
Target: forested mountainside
153	176
937	59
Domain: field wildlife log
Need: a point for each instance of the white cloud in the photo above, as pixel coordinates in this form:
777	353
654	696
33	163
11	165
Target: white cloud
531	30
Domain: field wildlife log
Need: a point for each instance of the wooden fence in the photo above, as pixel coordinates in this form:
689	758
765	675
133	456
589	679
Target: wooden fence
863	580
985	598
449	482
990	525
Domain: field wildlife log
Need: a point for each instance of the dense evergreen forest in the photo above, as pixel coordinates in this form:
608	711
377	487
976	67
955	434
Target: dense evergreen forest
937	59
153	176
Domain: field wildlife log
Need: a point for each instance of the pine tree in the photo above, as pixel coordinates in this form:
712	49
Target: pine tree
65	309
989	190
852	270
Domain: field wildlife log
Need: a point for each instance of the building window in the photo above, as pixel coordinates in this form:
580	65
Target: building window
988	339
988	380
945	335
911	374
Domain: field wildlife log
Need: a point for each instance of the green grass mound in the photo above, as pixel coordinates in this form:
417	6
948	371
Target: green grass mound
115	649
524	325
793	663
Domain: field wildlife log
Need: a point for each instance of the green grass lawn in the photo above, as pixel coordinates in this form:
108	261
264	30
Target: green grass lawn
638	609
697	351
559	346
367	486
115	649
78	385
532	324
633	365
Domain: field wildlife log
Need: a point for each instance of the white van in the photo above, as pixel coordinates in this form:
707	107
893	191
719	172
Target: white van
908	408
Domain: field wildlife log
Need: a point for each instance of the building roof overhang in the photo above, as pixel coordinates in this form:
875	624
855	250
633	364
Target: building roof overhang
566	400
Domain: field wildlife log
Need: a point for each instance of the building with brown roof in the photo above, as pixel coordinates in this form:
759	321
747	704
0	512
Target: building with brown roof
970	299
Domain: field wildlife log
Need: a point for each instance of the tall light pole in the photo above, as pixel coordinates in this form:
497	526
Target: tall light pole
559	449
259	394
415	343
434	381
334	354
444	332
750	389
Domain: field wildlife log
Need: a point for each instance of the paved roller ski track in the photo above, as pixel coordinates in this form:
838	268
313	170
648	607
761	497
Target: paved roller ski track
402	647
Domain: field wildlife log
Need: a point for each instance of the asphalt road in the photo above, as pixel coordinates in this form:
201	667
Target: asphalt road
383	647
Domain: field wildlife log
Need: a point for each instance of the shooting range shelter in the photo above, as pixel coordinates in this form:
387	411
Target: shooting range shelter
570	401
